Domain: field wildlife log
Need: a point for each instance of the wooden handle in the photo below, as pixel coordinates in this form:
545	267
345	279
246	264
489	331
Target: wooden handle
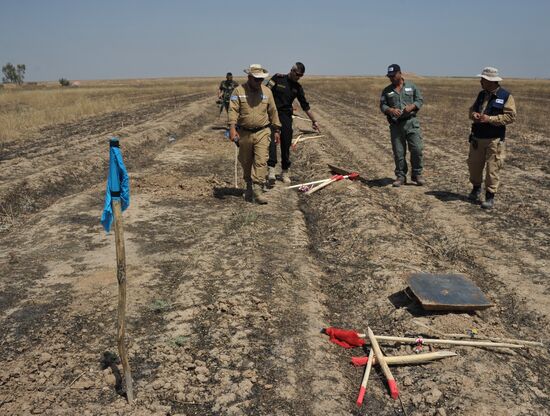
363	388
407	340
383	364
321	186
307	183
405	359
493	339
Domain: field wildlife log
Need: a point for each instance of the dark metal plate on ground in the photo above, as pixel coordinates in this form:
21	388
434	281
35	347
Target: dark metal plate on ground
447	292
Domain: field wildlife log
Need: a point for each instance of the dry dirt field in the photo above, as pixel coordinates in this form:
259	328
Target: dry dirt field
226	299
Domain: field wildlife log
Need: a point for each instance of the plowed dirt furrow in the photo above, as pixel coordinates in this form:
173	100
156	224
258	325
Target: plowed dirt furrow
480	229
420	234
226	298
63	137
81	162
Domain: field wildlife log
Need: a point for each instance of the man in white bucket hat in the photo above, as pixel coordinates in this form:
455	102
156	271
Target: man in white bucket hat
493	109
252	116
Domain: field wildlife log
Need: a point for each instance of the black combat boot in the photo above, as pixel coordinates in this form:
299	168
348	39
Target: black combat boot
489	201
475	194
249	193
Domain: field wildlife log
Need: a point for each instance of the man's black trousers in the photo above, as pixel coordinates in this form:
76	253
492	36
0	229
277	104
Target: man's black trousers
286	141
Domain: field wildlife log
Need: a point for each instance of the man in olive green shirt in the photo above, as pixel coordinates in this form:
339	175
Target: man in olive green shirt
400	101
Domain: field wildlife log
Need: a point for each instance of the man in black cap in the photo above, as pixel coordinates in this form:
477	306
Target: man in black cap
224	92
400	101
286	89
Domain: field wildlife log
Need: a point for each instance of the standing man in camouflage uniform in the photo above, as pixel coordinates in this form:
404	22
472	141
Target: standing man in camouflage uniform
286	89
492	110
252	115
225	90
400	101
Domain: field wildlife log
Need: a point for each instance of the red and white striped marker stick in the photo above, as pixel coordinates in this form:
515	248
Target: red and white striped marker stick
363	388
383	364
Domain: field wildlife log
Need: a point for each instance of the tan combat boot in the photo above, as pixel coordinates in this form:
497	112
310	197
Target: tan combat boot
258	194
286	176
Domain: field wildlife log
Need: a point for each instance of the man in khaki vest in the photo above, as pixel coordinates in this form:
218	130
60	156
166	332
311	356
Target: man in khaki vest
252	115
493	109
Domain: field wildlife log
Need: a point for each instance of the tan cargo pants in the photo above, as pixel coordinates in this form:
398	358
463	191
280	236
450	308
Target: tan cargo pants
253	154
490	154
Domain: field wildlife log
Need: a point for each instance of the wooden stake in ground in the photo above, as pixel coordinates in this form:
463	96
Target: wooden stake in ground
118	193
383	364
121	277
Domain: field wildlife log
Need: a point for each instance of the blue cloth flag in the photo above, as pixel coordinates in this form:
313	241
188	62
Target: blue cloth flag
118	184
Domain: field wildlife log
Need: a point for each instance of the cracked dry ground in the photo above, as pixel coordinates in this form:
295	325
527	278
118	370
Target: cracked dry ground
226	299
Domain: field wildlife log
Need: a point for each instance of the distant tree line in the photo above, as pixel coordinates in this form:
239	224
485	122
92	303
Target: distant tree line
13	74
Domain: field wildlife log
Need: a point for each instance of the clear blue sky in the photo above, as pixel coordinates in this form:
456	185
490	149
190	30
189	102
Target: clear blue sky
131	39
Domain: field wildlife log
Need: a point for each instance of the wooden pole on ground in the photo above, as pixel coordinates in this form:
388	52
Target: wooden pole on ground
383	364
307	183
407	340
406	359
494	339
322	185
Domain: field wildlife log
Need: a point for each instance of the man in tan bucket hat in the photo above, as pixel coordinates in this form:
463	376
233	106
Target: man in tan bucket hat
493	109
252	115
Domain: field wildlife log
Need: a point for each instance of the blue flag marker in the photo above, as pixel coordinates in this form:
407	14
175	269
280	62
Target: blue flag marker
118	184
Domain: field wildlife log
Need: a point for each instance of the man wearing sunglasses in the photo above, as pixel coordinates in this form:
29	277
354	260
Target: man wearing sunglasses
400	101
286	89
252	116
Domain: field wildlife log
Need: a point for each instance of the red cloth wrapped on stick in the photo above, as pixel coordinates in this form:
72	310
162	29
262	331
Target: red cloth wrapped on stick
360	361
344	337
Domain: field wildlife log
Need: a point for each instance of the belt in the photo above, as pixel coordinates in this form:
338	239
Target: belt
400	119
253	130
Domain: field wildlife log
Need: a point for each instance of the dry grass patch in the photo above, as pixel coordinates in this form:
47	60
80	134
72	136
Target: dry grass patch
26	110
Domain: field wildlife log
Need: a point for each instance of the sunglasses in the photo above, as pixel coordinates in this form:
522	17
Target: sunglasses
298	74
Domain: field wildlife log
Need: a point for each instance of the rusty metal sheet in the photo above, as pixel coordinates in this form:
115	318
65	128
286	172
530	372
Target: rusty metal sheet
447	292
